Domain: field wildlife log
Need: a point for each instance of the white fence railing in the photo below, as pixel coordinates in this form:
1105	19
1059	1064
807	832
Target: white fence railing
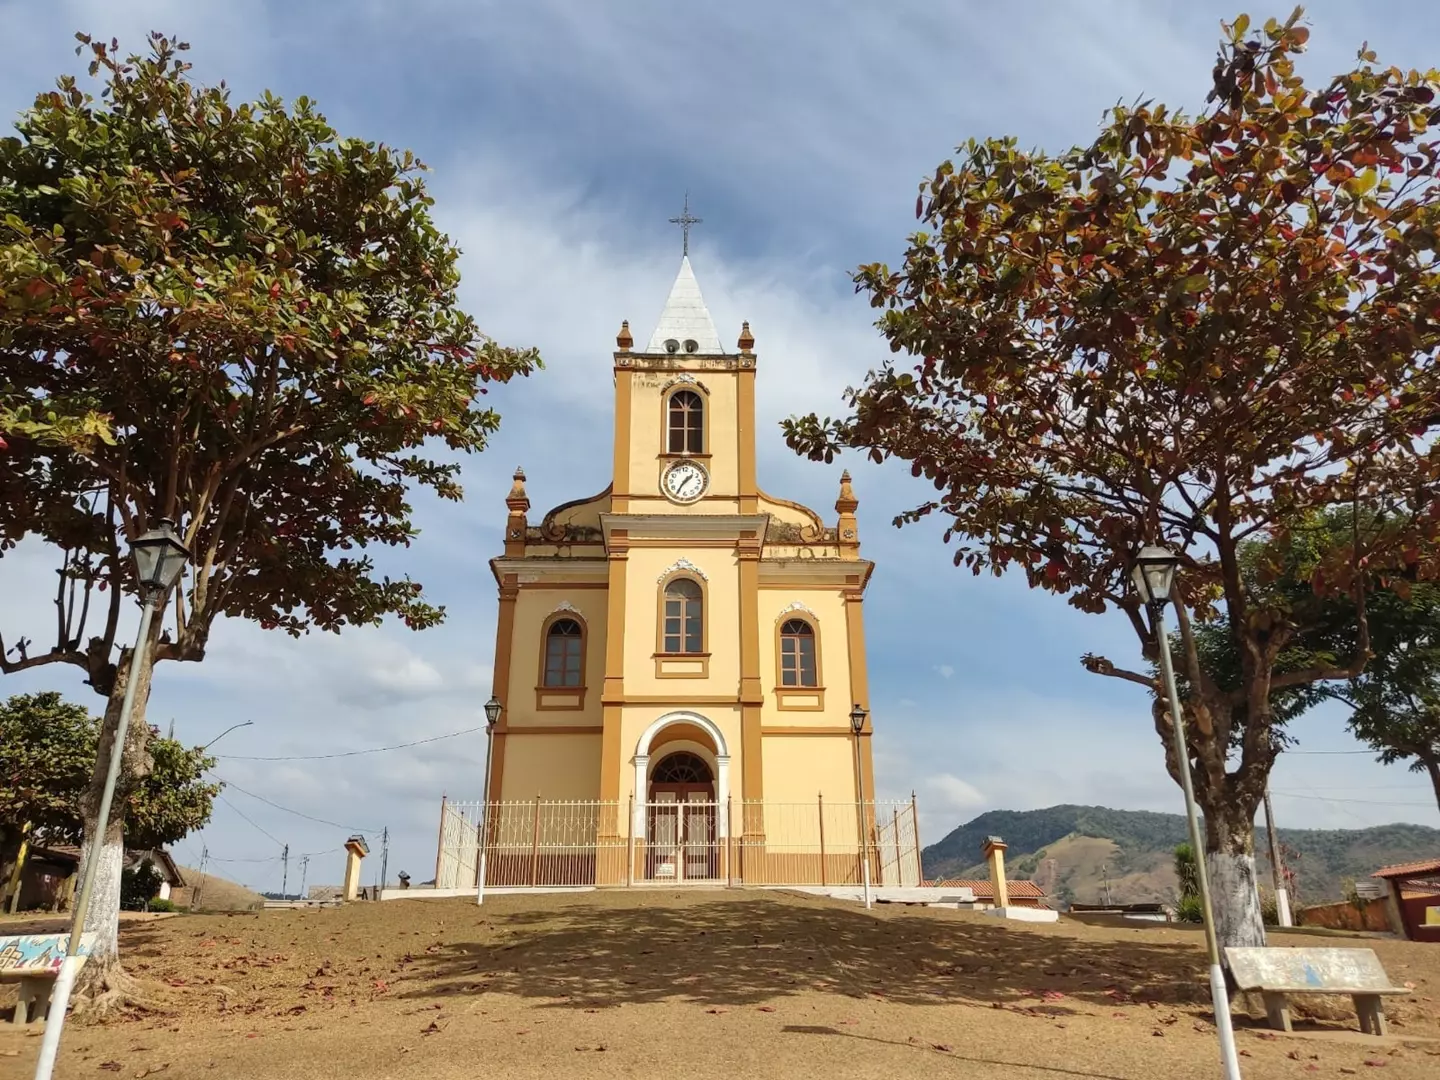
540	842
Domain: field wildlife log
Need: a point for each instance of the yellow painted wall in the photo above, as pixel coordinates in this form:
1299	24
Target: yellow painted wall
551	766
647	429
798	767
532	607
722	618
826	612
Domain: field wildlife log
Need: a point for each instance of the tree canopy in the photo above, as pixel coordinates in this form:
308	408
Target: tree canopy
1193	331
1394	702
47	751
229	316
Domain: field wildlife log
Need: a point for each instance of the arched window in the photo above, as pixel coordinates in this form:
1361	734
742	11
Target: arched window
684	617
564	653
682	767
687	423
797	654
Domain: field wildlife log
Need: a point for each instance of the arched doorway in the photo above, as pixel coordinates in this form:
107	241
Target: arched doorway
681	814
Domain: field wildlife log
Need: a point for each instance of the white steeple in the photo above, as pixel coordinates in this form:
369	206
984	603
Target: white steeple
685	319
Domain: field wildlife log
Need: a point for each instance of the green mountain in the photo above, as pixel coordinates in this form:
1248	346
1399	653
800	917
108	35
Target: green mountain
1077	852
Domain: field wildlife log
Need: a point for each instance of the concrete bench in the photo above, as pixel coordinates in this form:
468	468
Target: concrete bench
33	960
1280	973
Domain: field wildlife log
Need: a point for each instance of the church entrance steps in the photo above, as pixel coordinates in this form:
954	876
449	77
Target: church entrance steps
539	843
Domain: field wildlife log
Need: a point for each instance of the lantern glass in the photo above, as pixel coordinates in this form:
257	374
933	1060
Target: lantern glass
492	711
857	719
160	558
1154	574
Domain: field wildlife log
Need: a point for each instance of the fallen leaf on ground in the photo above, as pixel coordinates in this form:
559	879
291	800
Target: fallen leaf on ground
946	1047
110	1066
716	1012
766	1008
1376	1062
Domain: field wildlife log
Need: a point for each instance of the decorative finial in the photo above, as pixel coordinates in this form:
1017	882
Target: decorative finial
846	503
685	220
747	339
517	500
624	339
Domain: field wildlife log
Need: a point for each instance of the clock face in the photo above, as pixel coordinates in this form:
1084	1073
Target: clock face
685	481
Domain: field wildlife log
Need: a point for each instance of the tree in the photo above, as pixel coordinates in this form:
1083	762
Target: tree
1192	331
47	753
231	317
1395	700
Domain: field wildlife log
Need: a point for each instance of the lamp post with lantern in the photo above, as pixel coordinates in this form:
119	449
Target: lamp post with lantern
857	725
493	709
160	560
1153	576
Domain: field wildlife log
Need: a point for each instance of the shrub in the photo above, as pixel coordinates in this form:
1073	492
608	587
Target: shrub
162	905
1190	910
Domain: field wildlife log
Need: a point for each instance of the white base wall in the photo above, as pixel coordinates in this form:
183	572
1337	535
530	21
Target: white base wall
1025	914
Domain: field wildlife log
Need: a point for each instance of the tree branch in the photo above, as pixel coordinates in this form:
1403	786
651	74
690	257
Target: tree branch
1099	665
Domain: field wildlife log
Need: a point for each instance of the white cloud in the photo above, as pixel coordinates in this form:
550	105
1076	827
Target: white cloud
951	793
945	670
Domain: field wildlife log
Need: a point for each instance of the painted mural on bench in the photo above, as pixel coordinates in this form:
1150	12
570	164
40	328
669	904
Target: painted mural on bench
37	954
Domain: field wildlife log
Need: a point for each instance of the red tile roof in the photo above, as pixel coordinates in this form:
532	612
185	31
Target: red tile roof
984	891
1409	869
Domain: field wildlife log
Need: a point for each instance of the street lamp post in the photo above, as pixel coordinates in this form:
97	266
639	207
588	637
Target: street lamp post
493	708
232	727
160	560
857	725
1153	575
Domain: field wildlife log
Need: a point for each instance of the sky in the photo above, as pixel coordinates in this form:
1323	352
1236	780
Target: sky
562	135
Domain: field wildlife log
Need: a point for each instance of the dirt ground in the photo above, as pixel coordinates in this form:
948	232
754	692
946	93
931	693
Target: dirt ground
698	984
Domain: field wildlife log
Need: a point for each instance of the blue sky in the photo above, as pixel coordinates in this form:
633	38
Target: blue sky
562	135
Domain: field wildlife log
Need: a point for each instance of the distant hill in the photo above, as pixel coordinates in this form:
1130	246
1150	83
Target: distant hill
1072	850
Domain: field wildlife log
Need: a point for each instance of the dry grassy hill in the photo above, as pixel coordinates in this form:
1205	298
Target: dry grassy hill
214	893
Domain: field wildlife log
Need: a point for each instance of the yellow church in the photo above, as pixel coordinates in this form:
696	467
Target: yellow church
679	657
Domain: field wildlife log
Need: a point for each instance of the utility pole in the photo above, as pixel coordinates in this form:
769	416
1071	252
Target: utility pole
1282	895
384	856
285	872
1105	875
195	896
304	869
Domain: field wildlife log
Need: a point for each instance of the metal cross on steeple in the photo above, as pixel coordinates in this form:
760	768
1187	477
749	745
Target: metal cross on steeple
685	220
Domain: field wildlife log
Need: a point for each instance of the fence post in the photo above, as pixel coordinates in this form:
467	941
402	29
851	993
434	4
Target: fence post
440	842
895	824
730	863
535	846
820	803
915	825
630	844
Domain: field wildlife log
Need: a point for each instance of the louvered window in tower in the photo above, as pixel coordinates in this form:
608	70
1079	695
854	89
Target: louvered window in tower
687	423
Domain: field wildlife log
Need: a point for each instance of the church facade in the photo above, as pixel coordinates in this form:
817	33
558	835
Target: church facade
681	637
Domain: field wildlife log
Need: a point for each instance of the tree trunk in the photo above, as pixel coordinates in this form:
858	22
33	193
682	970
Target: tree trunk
1230	862
102	972
11	841
1432	766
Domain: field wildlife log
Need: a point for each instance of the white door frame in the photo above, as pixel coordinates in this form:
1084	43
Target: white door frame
642	769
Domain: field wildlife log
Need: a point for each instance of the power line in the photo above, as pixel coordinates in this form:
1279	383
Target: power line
242	813
353	753
1323	752
1371	802
286	809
